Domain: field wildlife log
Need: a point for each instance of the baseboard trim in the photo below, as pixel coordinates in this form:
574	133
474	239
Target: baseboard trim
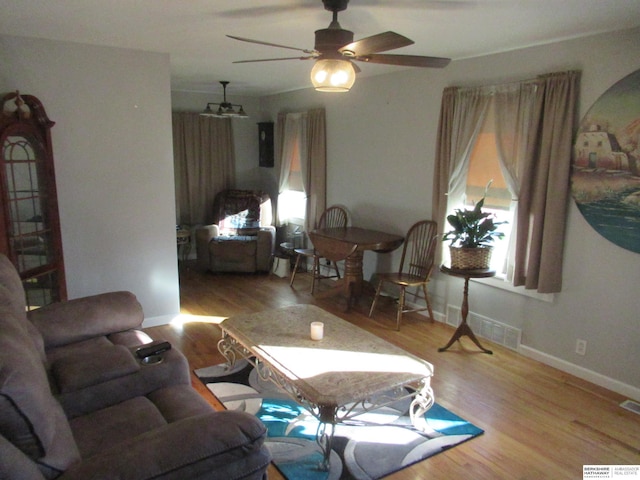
617	386
157	321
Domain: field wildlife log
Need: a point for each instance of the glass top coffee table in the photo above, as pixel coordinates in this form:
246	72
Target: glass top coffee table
348	368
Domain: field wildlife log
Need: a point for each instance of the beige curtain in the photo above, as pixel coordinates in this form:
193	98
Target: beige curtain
512	107
204	162
315	178
461	115
304	133
544	192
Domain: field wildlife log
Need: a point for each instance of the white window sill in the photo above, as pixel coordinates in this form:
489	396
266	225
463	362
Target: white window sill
502	284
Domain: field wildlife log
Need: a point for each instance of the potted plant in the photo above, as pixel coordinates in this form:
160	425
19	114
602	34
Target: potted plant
471	237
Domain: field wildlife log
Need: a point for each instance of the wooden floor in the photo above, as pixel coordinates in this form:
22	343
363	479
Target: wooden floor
539	423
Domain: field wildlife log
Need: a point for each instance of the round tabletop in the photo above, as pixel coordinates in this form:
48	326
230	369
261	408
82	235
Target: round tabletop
365	239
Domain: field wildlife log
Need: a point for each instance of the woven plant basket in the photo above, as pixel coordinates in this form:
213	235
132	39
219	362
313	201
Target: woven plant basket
470	258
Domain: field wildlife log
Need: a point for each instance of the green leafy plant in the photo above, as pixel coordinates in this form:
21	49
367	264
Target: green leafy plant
473	228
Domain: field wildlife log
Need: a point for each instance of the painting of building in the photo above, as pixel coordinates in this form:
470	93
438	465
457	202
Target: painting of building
605	179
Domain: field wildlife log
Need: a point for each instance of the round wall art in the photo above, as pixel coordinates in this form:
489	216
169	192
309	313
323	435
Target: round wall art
605	178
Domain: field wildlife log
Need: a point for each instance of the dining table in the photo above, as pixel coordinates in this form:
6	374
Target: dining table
363	239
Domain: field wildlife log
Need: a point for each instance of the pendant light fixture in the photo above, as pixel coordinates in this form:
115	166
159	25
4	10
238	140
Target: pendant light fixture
225	109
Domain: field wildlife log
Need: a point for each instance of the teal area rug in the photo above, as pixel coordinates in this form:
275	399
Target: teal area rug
369	446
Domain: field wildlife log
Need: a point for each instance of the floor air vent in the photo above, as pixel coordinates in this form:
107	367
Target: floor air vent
631	406
486	327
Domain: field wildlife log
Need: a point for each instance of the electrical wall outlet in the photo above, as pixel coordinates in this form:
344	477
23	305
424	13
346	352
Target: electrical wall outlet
581	347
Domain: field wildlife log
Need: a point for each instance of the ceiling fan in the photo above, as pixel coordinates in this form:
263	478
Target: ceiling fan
335	50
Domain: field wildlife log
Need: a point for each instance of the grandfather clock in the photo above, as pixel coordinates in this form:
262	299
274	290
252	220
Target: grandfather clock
265	144
29	222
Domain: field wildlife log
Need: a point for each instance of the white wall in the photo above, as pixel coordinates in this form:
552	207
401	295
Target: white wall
114	163
381	145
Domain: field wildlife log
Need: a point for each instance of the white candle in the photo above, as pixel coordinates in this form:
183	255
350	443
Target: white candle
317	330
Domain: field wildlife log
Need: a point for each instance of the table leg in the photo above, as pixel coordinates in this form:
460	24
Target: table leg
324	434
226	348
350	285
353	273
422	401
464	329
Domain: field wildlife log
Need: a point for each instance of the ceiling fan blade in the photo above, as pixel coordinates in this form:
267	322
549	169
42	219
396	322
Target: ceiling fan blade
273	59
405	60
260	42
416	4
298	5
262	11
375	43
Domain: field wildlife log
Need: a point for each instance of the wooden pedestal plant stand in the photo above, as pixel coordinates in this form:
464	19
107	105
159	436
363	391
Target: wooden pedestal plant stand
472	232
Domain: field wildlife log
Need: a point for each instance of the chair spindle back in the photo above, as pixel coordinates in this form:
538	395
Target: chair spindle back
333	217
419	249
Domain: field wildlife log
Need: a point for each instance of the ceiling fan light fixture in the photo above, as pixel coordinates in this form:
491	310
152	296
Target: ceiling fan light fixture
333	75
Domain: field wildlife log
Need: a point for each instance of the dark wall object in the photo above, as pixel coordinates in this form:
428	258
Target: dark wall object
265	143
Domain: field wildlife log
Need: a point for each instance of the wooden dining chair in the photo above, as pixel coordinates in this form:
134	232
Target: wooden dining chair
415	269
332	217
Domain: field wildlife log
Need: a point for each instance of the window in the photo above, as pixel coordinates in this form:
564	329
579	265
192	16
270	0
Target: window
292	198
292	202
301	140
292	206
484	167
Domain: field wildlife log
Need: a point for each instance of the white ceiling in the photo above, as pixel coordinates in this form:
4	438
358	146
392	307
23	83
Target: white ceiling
193	31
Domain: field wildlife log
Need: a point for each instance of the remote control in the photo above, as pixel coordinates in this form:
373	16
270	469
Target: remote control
153	348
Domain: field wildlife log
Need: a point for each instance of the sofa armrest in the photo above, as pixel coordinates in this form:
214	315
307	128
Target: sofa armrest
265	248
215	445
83	318
204	235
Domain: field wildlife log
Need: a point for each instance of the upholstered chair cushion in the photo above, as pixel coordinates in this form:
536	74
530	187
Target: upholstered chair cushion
89	368
132	436
30	417
14	296
15	465
237	212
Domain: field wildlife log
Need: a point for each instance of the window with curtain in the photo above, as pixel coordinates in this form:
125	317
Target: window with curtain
292	198
301	148
526	128
484	169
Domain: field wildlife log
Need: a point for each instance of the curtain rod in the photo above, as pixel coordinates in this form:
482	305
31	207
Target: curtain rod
515	82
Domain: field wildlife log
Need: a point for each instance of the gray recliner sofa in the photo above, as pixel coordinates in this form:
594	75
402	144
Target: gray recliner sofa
77	403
